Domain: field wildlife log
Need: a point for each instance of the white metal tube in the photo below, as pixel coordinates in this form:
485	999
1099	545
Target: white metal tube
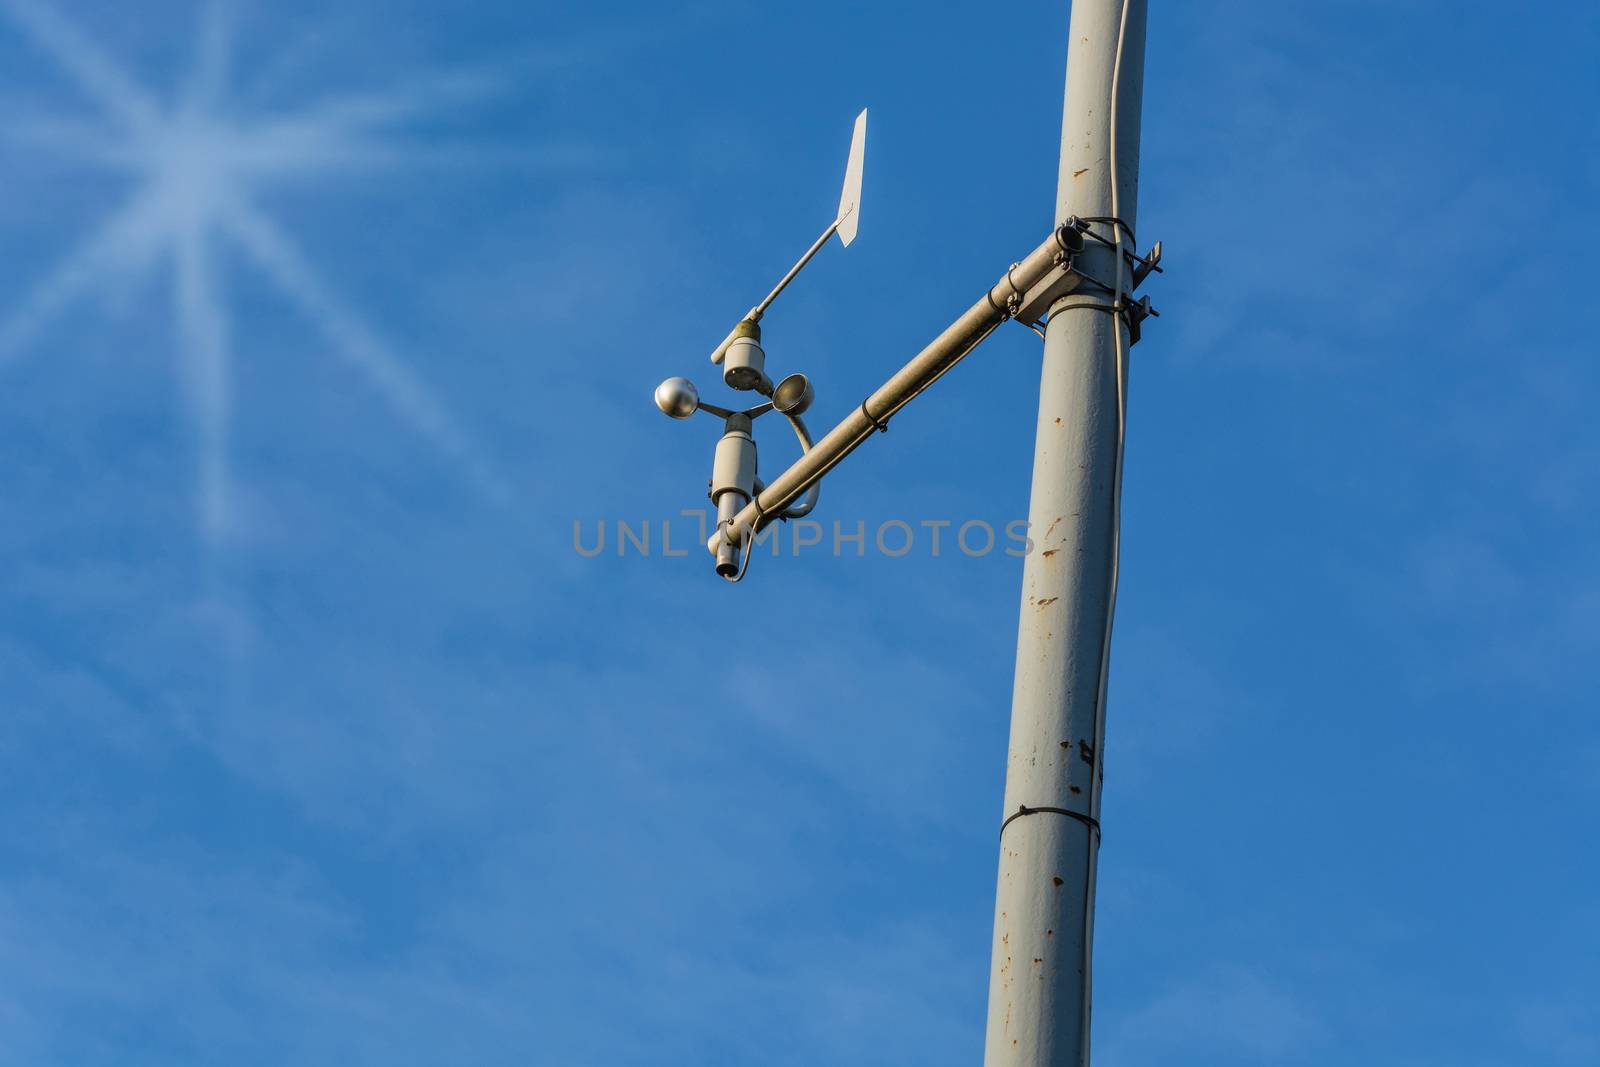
783	283
804	508
755	313
944	352
1039	985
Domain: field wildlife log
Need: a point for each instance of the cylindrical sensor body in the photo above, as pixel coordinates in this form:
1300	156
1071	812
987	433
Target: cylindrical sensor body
733	483
733	470
726	552
744	367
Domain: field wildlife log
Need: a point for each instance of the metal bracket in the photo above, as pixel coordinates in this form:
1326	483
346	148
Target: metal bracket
1036	302
1147	264
1031	307
1066	279
1137	311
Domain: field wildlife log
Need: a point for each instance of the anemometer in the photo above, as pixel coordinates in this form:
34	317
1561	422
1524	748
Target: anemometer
734	483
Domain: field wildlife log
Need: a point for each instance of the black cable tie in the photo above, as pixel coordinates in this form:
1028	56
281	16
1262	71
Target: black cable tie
1023	809
1017	294
1003	312
1130	255
1101	239
881	427
1109	309
1112	220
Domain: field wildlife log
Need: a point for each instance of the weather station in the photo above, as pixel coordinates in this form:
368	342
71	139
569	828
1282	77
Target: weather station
1076	289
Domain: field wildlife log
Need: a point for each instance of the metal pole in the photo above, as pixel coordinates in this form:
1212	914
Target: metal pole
1039	979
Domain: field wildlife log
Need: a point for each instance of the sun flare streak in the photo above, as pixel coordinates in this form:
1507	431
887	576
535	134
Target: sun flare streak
197	168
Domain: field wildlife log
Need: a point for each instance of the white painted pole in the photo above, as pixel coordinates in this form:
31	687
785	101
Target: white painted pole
1039	981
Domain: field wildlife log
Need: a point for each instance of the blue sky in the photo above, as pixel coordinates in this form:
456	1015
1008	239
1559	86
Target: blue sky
321	744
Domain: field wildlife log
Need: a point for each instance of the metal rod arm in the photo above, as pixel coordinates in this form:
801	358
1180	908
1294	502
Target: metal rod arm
783	283
755	313
946	350
802	509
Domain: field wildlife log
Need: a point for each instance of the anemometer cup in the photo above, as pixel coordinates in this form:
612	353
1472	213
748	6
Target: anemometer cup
793	395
